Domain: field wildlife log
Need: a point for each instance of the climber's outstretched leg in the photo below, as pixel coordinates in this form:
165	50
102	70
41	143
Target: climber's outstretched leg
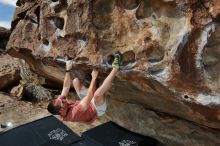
106	85
96	97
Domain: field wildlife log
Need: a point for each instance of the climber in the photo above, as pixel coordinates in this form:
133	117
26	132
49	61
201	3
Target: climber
92	101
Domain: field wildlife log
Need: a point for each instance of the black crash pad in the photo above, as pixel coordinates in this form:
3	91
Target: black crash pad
48	131
87	142
110	134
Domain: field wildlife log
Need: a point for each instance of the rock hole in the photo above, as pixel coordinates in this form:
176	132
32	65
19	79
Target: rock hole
37	13
147	40
80	12
18	3
20	16
217	18
102	10
63	2
156	9
128	57
128	4
156	71
154	60
83	59
110	59
57	9
57	21
144	10
85	38
186	97
55	0
45	42
61	6
155	54
154	16
39	36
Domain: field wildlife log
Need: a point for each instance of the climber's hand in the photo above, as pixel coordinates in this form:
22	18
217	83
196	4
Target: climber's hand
69	64
94	74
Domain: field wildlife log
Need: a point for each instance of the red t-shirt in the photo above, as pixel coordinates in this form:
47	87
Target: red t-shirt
76	113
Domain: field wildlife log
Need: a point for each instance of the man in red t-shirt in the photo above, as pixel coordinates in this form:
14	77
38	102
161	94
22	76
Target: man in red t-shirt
92	103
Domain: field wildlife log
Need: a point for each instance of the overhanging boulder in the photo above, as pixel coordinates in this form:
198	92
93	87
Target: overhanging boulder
170	51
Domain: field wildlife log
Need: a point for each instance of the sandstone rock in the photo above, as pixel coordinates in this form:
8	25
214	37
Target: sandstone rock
214	7
17	91
170	50
9	71
30	87
4	36
167	129
36	93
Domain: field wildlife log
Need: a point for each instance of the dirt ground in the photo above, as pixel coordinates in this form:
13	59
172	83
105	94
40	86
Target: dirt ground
22	112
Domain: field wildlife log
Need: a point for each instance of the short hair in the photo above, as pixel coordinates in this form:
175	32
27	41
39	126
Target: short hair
55	110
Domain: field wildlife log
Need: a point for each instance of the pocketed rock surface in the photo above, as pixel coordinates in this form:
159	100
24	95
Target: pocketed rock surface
170	51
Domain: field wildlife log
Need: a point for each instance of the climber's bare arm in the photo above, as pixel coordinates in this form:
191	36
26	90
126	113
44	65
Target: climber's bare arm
67	79
86	100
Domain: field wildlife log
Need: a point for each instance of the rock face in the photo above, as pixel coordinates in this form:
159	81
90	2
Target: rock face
9	70
170	50
13	69
167	129
30	86
4	36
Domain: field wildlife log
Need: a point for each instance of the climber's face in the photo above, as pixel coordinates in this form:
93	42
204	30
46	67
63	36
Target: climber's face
62	106
58	103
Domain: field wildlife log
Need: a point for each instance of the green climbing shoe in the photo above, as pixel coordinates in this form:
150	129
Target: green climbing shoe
117	61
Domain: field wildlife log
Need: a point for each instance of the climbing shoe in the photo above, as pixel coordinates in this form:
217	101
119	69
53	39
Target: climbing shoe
117	61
